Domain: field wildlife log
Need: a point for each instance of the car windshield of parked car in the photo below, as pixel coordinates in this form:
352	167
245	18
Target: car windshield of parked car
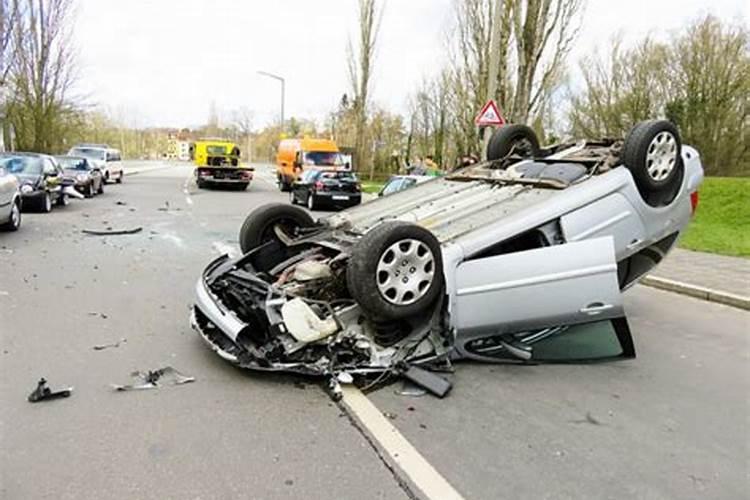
92	153
21	165
322	158
73	163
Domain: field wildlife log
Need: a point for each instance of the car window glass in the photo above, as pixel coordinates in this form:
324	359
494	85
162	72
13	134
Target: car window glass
48	167
408	183
393	186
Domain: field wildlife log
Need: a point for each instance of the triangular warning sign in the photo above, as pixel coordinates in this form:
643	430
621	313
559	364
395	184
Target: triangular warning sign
489	115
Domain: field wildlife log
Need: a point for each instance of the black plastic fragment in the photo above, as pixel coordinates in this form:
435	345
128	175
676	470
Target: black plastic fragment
437	385
44	393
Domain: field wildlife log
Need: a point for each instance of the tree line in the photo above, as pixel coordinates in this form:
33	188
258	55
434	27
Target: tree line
514	51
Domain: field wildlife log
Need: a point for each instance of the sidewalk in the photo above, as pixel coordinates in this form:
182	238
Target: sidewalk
707	276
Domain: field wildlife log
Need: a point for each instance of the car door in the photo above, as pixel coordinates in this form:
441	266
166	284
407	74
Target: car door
523	298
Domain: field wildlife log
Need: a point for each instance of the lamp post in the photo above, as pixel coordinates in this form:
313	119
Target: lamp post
283	90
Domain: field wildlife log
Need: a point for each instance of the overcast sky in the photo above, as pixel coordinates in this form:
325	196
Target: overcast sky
162	62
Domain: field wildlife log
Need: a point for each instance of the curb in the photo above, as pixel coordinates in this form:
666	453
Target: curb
699	292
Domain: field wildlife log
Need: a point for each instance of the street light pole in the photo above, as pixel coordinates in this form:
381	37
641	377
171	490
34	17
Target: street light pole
283	92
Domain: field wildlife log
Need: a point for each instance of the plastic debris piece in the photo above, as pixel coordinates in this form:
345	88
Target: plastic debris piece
44	393
154	378
100	347
112	232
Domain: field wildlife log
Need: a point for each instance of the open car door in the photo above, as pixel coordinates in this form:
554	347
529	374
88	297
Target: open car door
559	303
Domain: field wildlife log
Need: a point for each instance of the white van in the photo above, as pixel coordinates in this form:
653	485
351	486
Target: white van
107	159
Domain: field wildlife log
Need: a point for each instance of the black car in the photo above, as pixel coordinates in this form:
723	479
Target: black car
319	188
40	179
87	178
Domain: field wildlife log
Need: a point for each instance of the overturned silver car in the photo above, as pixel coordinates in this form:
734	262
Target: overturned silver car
521	258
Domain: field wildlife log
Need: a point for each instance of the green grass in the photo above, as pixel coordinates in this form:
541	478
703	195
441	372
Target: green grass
372	186
722	222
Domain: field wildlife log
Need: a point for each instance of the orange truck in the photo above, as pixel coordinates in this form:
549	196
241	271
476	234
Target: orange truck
296	155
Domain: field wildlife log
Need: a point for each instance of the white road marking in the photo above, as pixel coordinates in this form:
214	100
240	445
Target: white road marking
223	248
400	451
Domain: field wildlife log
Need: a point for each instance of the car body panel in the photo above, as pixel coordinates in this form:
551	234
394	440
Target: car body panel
9	194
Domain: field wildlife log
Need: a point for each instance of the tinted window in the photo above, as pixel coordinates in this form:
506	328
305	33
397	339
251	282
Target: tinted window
93	153
73	163
322	158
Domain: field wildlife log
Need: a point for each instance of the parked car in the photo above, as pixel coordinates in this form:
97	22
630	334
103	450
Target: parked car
10	200
106	159
40	178
86	178
318	188
398	183
518	259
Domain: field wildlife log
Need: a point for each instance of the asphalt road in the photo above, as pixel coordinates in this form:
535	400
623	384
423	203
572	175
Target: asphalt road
671	424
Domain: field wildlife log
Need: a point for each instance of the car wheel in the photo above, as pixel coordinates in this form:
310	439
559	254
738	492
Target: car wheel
14	222
311	201
119	178
395	270
292	199
259	225
62	200
90	190
653	153
101	186
514	139
45	204
283	185
106	177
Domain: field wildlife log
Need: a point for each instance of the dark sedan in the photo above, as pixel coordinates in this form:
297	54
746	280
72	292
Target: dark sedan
327	188
87	178
40	179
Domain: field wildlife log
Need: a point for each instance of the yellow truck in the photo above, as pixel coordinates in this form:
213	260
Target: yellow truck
217	163
295	155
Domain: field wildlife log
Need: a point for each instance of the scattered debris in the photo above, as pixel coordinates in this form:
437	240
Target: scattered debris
588	420
151	379
409	389
118	202
112	232
389	415
44	393
422	426
100	347
437	385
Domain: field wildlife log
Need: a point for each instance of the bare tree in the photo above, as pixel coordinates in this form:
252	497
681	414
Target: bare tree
360	61
243	121
544	31
42	74
9	14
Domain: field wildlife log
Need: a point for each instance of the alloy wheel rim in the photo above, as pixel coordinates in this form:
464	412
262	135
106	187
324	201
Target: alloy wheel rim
661	156
15	215
47	203
405	272
310	201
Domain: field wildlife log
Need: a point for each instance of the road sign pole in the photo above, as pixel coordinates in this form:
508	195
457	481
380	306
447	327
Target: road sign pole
494	64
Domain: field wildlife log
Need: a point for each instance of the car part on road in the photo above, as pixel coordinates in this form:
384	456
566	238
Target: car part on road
115	232
44	393
154	378
513	139
261	224
428	380
101	347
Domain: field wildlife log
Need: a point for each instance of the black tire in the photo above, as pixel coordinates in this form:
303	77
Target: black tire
258	227
653	153
14	223
284	186
516	138
119	179
106	177
310	201
363	279
101	187
292	198
45	203
90	190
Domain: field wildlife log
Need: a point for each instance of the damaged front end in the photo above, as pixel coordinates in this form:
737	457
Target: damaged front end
284	306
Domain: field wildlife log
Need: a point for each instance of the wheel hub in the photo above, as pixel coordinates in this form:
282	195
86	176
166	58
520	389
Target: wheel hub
405	271
661	156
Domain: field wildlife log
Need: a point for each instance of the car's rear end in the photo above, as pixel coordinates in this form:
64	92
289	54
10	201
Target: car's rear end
218	164
337	188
